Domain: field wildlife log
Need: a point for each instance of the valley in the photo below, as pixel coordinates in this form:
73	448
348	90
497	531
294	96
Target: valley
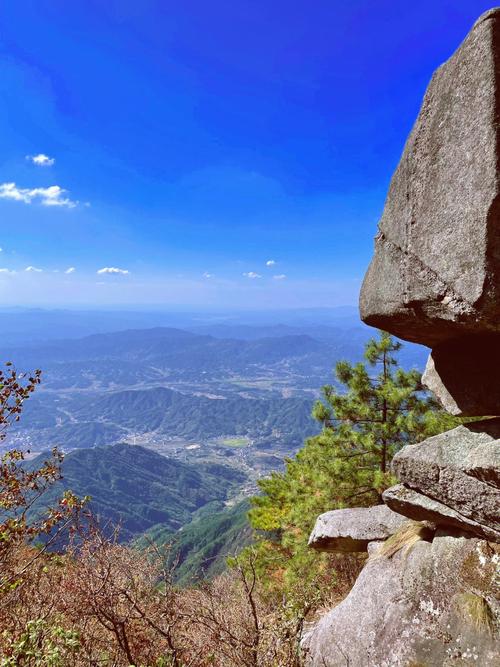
236	394
169	430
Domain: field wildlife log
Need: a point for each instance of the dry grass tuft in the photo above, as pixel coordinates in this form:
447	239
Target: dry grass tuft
476	610
405	538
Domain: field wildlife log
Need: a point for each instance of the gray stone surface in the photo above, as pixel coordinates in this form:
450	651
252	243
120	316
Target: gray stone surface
420	507
415	609
464	374
459	468
435	275
349	530
374	546
435	279
473	449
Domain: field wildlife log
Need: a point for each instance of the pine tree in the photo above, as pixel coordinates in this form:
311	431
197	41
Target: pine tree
373	410
382	409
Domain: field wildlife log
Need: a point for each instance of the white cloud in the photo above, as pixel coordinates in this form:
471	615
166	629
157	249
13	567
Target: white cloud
281	276
33	269
208	275
252	274
70	270
113	269
7	271
270	262
51	196
41	160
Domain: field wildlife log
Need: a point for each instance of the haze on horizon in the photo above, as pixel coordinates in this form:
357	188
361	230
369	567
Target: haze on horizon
222	155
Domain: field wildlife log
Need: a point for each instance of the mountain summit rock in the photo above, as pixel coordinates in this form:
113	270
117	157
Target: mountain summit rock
435	274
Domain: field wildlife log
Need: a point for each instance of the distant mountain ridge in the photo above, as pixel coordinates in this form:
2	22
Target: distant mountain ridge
28	325
153	355
162	355
166	344
105	387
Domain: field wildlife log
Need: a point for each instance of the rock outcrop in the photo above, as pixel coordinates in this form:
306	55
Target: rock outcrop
428	595
456	473
350	530
420	507
429	606
435	275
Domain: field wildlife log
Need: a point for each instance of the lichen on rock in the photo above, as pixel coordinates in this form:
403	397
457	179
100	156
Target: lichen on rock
415	608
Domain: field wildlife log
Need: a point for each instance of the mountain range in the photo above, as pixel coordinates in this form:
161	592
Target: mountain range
168	428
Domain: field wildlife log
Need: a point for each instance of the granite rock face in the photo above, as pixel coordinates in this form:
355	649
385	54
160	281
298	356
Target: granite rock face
459	469
400	613
464	374
419	507
435	275
349	530
429	596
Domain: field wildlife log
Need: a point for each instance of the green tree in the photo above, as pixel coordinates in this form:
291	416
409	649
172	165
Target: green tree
40	645
374	409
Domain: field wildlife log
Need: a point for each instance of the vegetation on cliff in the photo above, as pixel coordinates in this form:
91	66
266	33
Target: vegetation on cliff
380	409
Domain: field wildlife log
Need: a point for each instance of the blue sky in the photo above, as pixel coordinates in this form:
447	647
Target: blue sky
195	142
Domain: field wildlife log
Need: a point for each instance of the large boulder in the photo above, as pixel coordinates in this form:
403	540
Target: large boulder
419	507
464	375
434	604
459	469
352	529
435	275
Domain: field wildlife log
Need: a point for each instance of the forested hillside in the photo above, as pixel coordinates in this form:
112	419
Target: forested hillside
136	489
201	548
174	413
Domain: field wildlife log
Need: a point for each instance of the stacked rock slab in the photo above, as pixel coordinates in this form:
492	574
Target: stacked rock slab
452	479
352	530
435	280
